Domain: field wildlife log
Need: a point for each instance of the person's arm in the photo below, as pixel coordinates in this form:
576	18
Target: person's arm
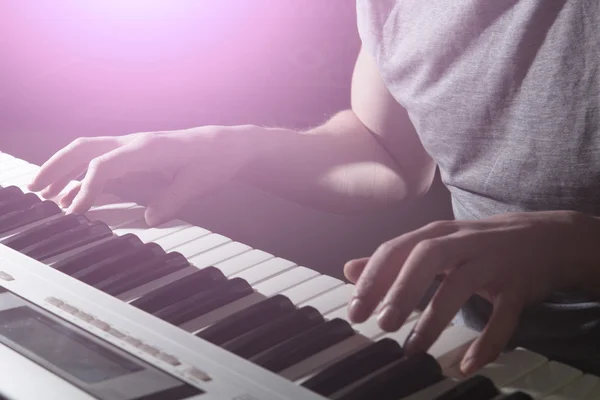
363	158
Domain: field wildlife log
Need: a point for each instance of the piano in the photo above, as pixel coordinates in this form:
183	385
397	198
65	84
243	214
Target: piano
101	306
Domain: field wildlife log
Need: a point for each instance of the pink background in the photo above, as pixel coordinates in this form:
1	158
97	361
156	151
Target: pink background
71	68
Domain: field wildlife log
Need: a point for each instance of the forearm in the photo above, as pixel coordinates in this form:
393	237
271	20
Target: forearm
338	167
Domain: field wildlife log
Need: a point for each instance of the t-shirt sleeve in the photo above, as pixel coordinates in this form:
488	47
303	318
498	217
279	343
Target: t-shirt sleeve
371	16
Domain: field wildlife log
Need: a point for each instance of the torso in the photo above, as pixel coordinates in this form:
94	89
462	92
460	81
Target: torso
505	97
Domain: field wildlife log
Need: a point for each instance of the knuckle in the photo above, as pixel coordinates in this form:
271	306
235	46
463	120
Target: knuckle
387	248
80	142
151	140
441	226
435	245
97	165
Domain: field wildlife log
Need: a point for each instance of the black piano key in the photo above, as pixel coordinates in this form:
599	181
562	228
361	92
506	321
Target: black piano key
36	212
10	192
515	396
69	240
220	294
249	318
277	331
478	387
400	379
143	273
305	345
94	254
178	290
114	264
355	366
18	203
45	230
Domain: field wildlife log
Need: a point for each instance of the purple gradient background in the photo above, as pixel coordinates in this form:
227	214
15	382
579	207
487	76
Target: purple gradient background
71	68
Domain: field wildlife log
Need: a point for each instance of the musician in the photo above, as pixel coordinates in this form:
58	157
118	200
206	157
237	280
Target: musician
502	96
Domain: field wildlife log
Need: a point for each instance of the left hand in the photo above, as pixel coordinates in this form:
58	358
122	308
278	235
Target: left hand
512	260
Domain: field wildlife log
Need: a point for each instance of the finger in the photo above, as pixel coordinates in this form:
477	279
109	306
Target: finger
55	188
67	199
453	292
132	157
354	268
383	267
495	336
72	157
420	269
188	183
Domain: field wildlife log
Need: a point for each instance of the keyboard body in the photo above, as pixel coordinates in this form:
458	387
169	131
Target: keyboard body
178	353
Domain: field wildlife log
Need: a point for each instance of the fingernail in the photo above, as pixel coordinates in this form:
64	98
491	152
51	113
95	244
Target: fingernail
389	318
356	311
153	217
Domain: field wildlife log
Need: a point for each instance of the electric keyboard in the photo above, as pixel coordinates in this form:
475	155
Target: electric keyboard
102	306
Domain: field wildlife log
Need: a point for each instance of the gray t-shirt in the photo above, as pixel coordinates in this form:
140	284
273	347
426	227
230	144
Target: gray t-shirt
505	96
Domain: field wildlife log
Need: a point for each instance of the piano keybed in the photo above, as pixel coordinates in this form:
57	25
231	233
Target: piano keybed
232	320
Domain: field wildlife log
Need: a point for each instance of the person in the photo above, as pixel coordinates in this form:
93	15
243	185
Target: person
503	97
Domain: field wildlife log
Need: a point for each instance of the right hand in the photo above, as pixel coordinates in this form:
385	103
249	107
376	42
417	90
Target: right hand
195	161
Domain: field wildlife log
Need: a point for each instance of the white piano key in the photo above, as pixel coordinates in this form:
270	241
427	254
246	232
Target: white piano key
114	215
168	243
20	181
212	317
509	366
4	157
544	380
452	345
218	254
325	358
264	270
433	391
285	280
195	247
243	261
10	164
311	288
332	300
147	234
18	170
586	387
107	201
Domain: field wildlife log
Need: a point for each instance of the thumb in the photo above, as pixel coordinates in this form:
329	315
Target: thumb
496	335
